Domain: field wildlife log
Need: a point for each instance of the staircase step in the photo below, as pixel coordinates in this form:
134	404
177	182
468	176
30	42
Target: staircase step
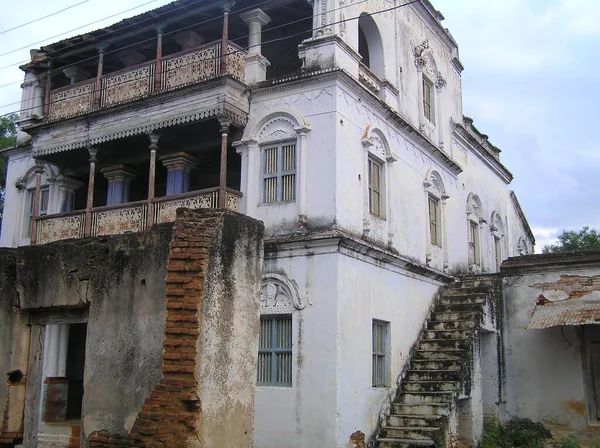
435	355
403	443
436	364
426	397
446	334
458	307
443	344
408	432
433	375
451	325
452	316
438	409
429	386
477	298
414	420
460	290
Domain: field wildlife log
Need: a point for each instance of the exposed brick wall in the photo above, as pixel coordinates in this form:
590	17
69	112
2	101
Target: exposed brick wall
575	286
170	413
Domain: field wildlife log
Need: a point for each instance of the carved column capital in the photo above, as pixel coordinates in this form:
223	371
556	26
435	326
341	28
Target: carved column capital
154	141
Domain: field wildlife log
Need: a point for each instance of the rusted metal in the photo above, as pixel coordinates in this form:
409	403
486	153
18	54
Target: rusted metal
98	92
565	312
157	62
90	195
39	169
152	175
223	169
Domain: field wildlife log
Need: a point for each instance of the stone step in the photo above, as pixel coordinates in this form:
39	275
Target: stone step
420	408
451	325
425	397
463	297
458	307
443	344
414	419
446	334
455	315
408	432
403	443
462	290
429	386
432	375
436	364
436	355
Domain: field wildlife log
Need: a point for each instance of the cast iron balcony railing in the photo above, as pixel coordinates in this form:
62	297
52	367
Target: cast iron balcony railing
129	217
140	81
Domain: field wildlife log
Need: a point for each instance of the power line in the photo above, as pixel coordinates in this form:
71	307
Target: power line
43	17
70	31
263	43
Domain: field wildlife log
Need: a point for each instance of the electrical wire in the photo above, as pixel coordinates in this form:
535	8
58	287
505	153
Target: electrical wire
43	17
245	49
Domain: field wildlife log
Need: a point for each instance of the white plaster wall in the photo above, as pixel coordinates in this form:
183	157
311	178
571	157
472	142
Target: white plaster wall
304	415
370	290
544	369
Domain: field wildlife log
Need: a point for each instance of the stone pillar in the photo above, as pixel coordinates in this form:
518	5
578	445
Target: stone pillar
119	179
223	169
66	192
420	63
256	63
76	74
179	166
302	178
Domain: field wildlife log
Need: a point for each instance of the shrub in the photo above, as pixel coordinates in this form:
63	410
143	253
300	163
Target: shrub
517	433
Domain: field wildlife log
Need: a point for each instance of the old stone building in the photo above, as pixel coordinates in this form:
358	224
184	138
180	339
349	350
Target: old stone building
337	123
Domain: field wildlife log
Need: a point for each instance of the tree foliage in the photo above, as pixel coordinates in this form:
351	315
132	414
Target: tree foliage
572	241
8	138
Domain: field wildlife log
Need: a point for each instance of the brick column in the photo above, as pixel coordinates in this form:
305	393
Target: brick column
205	397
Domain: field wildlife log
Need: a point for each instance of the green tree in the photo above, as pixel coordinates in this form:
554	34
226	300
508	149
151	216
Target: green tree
8	138
572	241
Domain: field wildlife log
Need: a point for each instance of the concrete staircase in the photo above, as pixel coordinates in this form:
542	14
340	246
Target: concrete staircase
424	411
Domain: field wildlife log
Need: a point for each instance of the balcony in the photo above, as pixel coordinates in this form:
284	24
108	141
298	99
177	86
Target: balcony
126	218
149	78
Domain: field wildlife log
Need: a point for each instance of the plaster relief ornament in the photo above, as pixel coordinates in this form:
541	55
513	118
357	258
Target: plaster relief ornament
280	295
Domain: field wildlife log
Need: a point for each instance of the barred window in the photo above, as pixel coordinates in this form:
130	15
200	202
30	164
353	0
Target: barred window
380	348
275	351
279	174
375	188
428	100
434	221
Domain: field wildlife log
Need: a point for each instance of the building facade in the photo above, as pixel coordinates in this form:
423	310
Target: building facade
338	124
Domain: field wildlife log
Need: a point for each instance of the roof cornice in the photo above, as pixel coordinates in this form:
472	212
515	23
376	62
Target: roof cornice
521	216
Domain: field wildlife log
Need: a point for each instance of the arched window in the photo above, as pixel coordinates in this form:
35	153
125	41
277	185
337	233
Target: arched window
497	229
436	195
474	214
370	45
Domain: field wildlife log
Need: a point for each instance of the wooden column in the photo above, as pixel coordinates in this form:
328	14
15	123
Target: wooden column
39	169
158	64
226	10
223	170
98	89
152	178
47	93
90	195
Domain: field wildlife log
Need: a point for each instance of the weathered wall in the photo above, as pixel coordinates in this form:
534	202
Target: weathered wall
546	376
14	345
205	396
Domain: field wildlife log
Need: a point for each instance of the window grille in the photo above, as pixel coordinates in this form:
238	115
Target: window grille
428	100
279	174
275	351
380	342
375	185
434	221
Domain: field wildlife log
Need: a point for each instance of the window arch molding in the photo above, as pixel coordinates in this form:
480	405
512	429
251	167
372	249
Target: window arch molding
370	45
436	197
280	295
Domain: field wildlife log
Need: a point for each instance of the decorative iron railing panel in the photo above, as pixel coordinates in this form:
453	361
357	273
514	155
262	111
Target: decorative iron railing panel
128	85
232	201
236	62
165	210
191	68
71	101
129	218
60	228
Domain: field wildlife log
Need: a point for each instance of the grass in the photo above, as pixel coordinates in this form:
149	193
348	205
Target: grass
516	433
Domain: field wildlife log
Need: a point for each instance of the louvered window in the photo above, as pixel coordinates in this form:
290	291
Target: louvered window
275	351
473	242
434	221
428	100
380	348
279	174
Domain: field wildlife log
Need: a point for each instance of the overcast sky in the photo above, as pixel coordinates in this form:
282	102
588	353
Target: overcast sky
531	77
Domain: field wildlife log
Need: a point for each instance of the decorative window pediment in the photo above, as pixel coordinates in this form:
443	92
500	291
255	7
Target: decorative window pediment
280	295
